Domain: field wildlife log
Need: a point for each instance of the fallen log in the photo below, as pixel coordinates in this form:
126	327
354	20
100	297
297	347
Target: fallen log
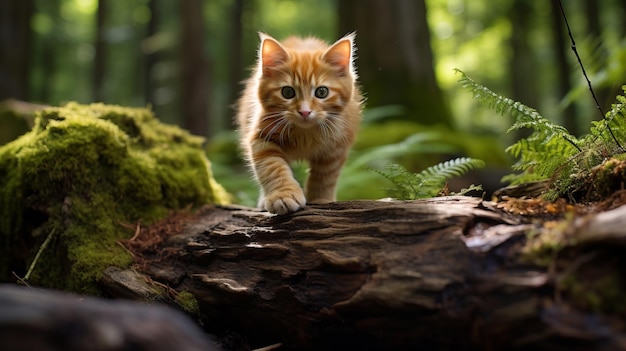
437	274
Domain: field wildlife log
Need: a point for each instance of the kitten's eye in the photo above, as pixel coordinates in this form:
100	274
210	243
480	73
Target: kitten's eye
288	92
321	92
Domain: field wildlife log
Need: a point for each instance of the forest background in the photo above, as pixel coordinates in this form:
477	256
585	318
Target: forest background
186	60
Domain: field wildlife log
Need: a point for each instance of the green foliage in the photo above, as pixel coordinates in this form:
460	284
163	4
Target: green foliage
188	302
546	139
84	171
429	182
550	152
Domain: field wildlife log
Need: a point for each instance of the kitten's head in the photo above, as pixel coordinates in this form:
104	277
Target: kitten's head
305	82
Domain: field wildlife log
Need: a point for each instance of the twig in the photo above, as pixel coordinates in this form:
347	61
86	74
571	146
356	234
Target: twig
125	248
582	67
572	142
34	263
20	280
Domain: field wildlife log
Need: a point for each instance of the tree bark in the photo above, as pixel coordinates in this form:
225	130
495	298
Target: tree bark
15	48
46	48
437	274
395	59
100	52
570	119
235	67
522	66
194	66
151	57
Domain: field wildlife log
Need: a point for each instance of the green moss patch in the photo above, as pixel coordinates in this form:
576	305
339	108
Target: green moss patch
82	175
188	303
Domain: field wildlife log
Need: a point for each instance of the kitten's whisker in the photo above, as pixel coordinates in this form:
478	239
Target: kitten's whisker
323	127
282	132
271	116
270	125
276	118
289	130
338	126
277	126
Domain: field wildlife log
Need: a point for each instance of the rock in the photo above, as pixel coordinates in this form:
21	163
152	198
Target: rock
43	320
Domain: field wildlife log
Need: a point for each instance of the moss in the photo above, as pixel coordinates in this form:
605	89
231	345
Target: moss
607	178
82	173
188	303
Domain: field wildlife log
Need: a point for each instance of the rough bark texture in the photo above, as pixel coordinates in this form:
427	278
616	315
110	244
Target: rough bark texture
195	64
438	274
395	59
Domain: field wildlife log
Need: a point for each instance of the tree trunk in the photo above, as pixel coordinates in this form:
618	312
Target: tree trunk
522	66
151	57
438	274
235	62
15	48
395	59
100	52
194	66
604	93
569	118
46	50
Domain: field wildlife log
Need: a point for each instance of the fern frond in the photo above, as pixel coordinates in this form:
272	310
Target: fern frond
406	184
429	182
539	155
452	168
550	152
616	117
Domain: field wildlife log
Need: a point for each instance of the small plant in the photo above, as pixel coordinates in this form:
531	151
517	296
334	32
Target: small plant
429	182
551	152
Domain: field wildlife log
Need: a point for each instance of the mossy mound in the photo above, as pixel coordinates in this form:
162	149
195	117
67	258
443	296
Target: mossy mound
82	175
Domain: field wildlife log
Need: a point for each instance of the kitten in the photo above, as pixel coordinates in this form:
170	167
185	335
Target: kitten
301	103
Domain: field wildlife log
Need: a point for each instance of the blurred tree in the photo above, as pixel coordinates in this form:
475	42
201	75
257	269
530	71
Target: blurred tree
563	83
592	9
194	68
15	53
522	67
522	63
235	54
100	51
395	59
151	56
45	45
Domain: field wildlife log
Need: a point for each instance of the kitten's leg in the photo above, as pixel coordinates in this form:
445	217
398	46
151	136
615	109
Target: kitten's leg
280	193
322	179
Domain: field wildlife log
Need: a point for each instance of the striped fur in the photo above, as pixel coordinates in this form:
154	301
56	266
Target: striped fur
277	129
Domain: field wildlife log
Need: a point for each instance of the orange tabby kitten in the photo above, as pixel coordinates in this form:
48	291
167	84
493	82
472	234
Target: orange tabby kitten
301	103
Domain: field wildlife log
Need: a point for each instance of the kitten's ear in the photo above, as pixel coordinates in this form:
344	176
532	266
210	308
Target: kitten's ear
271	54
341	54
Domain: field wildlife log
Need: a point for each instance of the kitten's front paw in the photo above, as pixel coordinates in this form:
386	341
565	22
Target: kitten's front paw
283	202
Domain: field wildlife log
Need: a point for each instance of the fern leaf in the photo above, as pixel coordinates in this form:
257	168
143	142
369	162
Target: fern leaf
427	183
405	183
452	168
540	155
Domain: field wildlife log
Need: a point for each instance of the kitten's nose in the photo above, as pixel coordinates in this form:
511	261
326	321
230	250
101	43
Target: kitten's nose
304	113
